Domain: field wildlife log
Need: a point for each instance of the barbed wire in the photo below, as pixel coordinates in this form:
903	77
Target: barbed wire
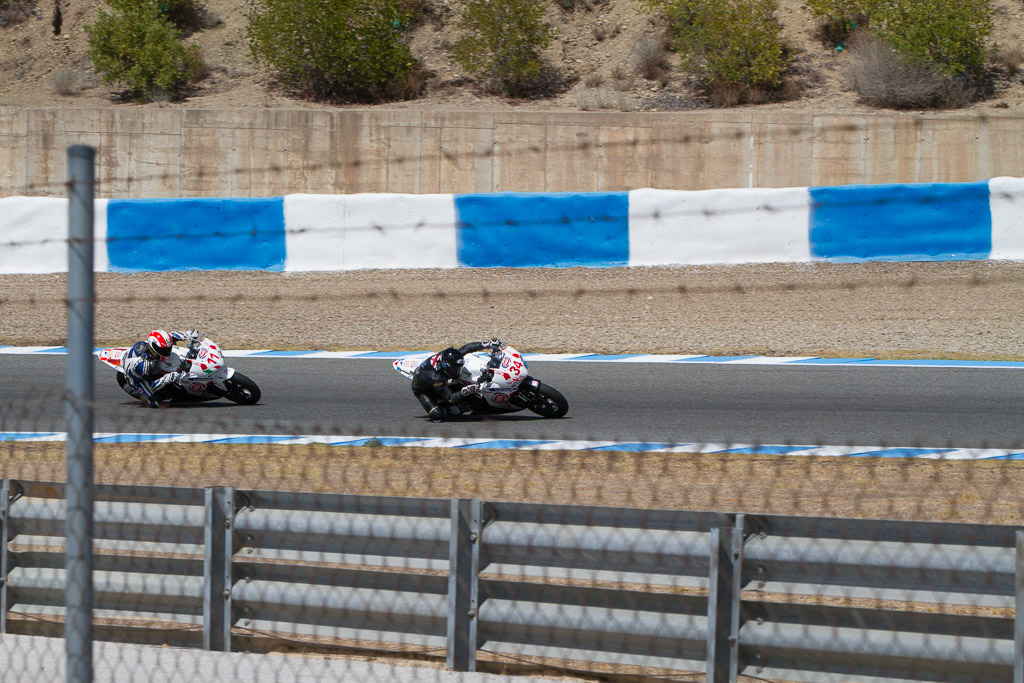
495	149
769	208
510	290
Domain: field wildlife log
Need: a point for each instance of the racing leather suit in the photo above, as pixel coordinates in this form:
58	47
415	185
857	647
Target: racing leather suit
146	374
437	393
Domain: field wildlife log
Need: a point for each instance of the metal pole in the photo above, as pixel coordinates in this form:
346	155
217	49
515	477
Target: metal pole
724	585
1018	613
5	513
464	583
79	414
217	575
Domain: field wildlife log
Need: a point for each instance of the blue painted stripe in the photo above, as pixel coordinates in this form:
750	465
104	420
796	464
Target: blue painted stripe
55	349
195	234
634	447
19	436
1008	456
921	222
597	356
543	230
505	443
133	438
902	452
949	363
712	359
252	439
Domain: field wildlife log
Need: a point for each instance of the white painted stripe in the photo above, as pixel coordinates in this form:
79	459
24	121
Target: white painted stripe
594	358
657	358
542	445
719	226
34	232
1006	204
346	232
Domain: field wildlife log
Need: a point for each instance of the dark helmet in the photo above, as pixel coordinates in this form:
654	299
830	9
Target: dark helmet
450	363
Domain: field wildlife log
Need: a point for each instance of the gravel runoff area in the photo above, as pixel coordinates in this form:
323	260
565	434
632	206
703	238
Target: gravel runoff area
953	309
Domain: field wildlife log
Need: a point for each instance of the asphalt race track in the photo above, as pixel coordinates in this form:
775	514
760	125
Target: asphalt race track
812	405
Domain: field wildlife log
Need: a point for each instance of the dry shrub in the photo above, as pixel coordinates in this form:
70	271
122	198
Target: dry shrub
649	57
15	11
724	94
595	100
791	89
411	85
884	78
66	82
594	81
1010	60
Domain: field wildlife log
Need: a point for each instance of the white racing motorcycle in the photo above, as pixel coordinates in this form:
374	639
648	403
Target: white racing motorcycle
509	390
205	376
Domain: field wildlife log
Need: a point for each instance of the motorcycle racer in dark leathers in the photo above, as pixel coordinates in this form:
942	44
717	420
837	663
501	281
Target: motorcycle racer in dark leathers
436	381
149	365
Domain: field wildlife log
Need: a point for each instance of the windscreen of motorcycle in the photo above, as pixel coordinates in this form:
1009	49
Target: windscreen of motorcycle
509	368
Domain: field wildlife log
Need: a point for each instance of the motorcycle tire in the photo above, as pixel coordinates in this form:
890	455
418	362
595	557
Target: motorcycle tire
242	390
121	381
550	402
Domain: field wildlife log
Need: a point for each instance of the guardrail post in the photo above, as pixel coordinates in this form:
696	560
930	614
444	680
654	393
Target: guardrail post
218	615
5	510
463	583
725	582
1018	614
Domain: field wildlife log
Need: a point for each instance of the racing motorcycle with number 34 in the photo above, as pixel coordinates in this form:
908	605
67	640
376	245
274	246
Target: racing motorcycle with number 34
505	385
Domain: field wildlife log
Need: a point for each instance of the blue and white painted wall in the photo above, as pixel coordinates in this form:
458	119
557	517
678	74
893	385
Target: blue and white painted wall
923	222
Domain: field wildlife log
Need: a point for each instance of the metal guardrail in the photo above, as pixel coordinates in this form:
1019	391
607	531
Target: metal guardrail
773	596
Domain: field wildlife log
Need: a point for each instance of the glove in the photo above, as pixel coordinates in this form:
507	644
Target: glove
469	390
493	343
194	336
169	378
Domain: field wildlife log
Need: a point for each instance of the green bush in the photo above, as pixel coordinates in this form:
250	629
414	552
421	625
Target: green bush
735	47
187	15
502	43
841	17
136	45
946	35
337	50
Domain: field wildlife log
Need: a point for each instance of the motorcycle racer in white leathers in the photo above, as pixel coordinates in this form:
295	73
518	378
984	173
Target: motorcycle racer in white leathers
150	364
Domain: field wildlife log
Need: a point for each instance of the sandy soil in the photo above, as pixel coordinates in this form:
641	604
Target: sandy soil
959	309
596	50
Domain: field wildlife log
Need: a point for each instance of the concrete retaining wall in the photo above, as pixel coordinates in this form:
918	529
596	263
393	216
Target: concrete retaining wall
951	221
156	152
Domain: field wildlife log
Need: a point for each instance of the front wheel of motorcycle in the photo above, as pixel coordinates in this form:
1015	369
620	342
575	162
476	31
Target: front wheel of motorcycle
242	390
549	402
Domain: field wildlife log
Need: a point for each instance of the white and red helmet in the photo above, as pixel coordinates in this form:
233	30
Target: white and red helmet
160	343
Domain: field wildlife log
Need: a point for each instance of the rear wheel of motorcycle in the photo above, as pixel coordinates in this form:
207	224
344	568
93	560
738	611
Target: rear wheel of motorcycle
550	402
242	390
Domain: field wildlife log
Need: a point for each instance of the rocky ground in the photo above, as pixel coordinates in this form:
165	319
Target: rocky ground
965	309
599	47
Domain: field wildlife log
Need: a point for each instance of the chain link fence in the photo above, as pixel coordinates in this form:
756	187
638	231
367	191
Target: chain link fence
692	517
